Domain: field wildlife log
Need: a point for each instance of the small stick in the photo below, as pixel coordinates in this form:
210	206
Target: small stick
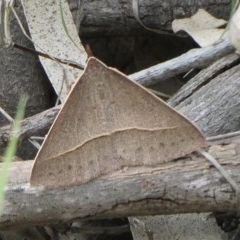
224	173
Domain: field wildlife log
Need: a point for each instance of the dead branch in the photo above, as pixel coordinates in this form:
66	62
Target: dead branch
195	58
184	185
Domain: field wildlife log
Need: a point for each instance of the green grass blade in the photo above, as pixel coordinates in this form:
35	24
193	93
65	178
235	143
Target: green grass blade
11	149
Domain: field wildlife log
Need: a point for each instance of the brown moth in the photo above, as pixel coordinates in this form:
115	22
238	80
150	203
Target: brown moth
109	122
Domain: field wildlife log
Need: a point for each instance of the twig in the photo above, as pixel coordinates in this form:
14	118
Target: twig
10	119
225	174
32	125
6	115
160	94
223	136
45	55
195	58
220	169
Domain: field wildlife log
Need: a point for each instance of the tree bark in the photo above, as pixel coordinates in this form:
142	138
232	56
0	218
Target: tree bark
116	17
184	185
213	100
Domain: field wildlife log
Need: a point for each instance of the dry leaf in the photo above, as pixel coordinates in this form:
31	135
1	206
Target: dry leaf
106	123
53	32
202	27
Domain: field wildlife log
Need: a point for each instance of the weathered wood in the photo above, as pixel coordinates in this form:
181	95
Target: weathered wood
185	185
116	16
195	58
203	78
30	126
214	105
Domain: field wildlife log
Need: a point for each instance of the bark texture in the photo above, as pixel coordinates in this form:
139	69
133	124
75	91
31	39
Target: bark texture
116	17
185	185
214	105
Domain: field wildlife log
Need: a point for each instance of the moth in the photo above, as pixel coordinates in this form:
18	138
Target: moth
109	122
